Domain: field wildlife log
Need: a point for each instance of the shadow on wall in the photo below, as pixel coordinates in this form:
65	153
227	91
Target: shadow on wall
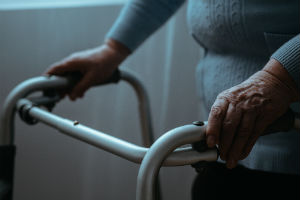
53	166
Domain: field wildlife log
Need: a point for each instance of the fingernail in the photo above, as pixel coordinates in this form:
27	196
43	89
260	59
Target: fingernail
211	140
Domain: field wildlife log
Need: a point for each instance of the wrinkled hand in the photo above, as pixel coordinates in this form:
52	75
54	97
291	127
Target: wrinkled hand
95	65
241	114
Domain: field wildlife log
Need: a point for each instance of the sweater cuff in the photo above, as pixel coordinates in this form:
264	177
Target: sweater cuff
289	56
130	28
140	18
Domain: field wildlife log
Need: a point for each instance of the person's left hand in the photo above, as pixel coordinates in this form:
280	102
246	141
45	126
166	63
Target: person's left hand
241	114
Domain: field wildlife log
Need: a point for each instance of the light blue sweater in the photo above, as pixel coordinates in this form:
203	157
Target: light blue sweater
239	37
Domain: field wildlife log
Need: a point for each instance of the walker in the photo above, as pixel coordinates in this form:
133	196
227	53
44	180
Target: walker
165	151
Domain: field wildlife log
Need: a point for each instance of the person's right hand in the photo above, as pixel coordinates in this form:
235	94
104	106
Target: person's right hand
95	65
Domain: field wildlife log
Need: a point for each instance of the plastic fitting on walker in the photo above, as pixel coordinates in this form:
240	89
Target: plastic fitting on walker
23	111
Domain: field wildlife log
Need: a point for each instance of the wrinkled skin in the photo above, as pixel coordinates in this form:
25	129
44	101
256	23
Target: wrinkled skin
240	114
95	65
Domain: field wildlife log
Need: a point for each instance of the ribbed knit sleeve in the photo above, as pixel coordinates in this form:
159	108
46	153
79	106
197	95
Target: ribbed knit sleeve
289	56
140	18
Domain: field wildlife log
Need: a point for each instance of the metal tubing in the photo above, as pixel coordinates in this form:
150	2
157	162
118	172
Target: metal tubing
159	151
20	91
124	149
54	82
144	107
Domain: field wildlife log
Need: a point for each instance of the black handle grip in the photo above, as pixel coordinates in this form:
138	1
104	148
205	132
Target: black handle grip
75	77
7	158
51	96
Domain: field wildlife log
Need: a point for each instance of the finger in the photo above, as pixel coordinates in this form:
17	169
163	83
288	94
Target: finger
63	92
230	125
215	121
59	70
80	88
62	67
259	128
241	138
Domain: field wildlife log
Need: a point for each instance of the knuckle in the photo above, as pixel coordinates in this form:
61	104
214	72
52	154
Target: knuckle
220	95
217	112
225	95
228	123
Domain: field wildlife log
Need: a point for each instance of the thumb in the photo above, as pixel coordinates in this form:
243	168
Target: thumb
62	67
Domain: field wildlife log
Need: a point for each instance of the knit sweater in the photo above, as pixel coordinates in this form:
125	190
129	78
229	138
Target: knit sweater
239	37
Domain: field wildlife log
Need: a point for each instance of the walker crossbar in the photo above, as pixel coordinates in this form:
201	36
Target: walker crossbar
124	149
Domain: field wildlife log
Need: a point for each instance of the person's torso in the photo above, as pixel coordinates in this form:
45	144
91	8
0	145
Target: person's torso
239	36
250	27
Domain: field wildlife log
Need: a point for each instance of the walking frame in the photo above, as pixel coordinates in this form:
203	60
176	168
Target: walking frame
165	151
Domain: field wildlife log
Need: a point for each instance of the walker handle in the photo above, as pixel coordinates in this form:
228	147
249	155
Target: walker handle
286	122
75	77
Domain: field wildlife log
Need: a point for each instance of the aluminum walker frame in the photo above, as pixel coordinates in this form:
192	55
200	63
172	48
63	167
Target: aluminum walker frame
164	151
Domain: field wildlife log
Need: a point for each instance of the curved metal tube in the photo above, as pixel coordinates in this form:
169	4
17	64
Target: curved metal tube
159	151
20	91
55	82
144	107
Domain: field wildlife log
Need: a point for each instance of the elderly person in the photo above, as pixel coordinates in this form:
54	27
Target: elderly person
248	77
